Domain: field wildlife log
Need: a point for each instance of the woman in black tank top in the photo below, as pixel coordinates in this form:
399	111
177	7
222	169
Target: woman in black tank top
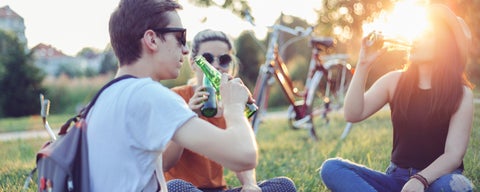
431	104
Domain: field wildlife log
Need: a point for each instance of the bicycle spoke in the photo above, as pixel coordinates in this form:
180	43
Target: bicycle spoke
326	93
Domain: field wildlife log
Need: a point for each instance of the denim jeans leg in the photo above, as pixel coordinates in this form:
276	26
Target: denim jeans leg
454	181
451	182
343	175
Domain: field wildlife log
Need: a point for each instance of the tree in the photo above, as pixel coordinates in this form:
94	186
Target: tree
20	80
109	62
250	56
343	19
71	70
240	8
88	53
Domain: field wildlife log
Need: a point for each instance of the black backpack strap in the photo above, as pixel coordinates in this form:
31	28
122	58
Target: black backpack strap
83	113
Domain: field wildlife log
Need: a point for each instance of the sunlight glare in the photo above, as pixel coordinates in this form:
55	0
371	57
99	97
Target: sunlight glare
407	21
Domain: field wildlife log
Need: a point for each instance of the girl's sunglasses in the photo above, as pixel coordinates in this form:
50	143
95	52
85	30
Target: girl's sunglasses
223	60
182	31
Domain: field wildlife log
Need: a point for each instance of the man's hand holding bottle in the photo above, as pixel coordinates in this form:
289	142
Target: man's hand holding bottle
233	92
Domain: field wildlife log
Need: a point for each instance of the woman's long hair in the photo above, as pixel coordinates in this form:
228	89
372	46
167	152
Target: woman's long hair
448	76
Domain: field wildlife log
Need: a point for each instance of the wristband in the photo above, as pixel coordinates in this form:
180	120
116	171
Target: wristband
421	178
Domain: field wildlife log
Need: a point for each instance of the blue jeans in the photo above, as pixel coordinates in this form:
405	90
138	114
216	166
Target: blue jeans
277	184
343	175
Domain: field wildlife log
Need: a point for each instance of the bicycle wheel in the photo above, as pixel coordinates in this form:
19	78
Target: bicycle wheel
327	91
260	95
314	100
338	79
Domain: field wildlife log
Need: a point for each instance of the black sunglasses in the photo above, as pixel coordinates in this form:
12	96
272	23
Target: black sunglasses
182	39
223	60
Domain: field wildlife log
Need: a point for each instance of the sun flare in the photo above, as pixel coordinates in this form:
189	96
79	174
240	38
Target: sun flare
405	22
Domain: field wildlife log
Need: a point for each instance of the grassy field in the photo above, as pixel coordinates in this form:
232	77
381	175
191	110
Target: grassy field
283	152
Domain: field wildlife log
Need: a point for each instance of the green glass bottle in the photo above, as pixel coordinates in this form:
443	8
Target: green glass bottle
215	76
209	108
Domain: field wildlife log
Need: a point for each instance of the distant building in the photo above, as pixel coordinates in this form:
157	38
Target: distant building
11	21
49	59
92	62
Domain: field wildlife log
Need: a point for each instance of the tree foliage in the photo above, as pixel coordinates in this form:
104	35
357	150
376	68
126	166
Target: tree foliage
249	55
109	64
343	19
240	8
20	80
68	69
88	53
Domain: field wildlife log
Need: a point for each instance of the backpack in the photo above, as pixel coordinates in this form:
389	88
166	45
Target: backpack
62	164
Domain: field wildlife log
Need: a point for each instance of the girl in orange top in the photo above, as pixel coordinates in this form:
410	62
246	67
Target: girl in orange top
194	172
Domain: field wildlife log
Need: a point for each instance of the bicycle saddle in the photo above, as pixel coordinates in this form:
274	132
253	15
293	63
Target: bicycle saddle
322	42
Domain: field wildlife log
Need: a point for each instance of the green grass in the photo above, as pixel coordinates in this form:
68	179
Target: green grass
291	153
18	159
32	123
283	151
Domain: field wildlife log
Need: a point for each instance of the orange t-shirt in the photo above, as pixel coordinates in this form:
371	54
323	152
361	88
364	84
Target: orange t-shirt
195	168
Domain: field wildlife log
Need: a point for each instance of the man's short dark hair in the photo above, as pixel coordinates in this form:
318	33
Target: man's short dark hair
129	22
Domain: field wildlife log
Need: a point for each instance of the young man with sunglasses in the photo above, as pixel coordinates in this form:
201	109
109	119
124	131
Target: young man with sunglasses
134	120
194	172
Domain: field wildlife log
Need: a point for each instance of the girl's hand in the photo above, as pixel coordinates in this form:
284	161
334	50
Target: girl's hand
248	180
413	185
196	102
368	55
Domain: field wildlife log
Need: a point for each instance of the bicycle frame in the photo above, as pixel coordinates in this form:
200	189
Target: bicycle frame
274	66
300	102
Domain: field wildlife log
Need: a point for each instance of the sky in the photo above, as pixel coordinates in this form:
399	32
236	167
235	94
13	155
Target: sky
70	25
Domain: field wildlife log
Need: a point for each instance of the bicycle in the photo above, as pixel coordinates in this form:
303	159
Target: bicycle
325	85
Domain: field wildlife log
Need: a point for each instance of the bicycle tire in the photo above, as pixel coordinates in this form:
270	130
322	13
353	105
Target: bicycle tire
314	104
341	79
261	101
326	92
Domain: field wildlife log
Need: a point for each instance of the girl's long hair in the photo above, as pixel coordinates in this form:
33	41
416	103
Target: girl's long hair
448	77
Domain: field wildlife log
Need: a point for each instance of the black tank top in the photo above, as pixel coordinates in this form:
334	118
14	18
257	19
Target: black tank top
418	138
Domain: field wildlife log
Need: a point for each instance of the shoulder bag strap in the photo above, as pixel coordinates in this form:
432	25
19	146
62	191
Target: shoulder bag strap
83	113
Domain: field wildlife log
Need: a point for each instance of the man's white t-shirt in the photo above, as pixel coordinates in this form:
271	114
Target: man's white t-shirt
127	128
